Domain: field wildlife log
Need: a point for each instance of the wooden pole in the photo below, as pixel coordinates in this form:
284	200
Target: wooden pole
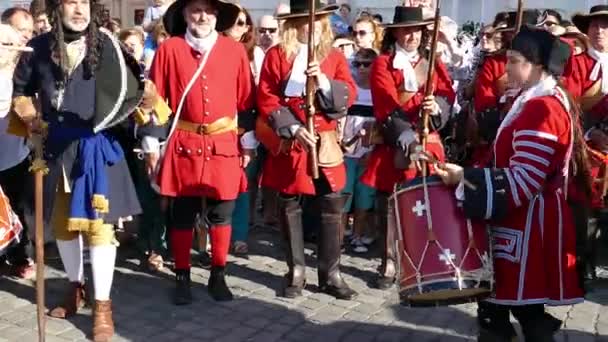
428	90
310	92
520	15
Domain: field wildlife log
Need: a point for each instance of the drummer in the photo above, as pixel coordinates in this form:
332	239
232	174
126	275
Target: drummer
524	196
397	82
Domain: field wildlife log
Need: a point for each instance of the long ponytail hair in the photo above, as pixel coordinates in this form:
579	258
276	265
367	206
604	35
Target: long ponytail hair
579	163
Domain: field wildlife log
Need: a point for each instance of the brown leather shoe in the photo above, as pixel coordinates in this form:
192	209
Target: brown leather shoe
74	300
103	325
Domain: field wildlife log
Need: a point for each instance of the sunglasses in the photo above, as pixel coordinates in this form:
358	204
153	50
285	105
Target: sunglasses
550	23
268	30
361	33
240	23
358	64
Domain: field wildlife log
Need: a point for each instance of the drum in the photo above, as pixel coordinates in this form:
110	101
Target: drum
443	257
10	226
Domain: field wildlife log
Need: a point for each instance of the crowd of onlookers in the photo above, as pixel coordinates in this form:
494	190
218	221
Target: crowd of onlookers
359	36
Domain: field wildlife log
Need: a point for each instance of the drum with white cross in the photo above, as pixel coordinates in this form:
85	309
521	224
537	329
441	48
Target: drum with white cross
443	257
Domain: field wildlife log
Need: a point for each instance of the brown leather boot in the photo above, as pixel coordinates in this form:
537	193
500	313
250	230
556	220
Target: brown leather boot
103	326
74	300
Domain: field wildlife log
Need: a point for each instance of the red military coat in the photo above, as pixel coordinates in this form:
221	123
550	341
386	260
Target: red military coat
487	86
534	246
490	85
203	165
577	82
288	172
385	81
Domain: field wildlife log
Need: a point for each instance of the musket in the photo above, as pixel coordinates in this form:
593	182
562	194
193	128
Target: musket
310	92
520	15
428	88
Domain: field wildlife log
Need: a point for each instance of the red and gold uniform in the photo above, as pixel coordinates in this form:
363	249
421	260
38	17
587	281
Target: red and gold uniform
206	82
286	168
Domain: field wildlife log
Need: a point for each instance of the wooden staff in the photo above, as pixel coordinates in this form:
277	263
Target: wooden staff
310	92
40	300
428	88
520	15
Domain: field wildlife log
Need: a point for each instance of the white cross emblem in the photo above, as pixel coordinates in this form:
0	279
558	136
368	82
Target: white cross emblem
419	208
447	256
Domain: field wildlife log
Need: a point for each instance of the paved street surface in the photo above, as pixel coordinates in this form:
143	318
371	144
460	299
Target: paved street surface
143	309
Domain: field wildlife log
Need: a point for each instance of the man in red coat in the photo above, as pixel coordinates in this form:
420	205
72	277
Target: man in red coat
586	79
493	95
286	169
206	79
397	81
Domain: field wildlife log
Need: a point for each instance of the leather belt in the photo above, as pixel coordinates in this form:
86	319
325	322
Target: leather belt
219	126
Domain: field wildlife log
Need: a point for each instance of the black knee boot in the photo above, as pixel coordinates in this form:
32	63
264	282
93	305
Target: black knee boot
290	220
536	324
330	279
494	324
385	219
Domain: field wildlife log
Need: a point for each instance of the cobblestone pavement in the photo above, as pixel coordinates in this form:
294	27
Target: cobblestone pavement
143	309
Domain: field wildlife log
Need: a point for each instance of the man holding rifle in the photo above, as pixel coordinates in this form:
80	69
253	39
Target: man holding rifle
293	146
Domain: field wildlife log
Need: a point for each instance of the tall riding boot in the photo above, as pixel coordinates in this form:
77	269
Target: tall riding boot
103	325
385	216
536	324
290	218
74	300
330	280
494	324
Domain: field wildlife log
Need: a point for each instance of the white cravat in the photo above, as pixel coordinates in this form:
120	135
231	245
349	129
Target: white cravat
201	45
403	61
297	80
601	64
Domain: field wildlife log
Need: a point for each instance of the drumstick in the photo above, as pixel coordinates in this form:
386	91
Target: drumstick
439	164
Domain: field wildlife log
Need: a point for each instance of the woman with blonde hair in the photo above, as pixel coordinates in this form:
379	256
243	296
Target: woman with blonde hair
281	102
238	25
368	33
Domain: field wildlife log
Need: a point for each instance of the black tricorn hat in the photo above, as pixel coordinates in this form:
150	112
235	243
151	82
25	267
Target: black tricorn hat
301	8
174	21
582	20
542	48
408	17
530	17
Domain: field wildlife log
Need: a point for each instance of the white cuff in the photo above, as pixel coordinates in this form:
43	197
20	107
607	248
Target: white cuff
150	144
324	85
459	192
406	138
293	129
249	141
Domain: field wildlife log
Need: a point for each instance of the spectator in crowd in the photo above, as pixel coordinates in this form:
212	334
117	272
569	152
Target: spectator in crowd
153	41
340	20
154	13
361	201
21	21
114	25
268	32
378	18
134	41
41	20
367	33
14	161
239	26
151	231
346	44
